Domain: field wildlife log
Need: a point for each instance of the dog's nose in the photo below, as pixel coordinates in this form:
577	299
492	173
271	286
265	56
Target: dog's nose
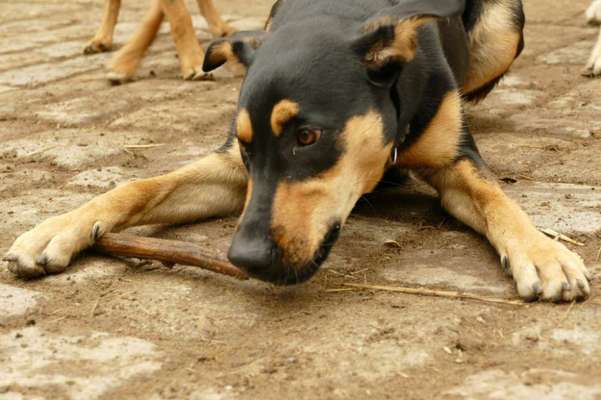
254	253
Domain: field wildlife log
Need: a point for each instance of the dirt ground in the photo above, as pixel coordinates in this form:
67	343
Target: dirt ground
115	329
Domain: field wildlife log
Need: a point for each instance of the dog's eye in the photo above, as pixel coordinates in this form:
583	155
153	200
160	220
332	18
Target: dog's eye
308	136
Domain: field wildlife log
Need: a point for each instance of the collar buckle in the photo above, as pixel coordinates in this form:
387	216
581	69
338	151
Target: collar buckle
394	157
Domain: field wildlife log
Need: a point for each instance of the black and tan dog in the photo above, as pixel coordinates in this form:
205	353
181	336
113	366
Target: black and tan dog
337	92
125	62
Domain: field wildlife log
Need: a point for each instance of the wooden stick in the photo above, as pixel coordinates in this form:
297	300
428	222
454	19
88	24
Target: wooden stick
437	293
167	251
560	236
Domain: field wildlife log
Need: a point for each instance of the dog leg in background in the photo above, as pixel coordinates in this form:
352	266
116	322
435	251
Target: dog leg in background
593	67
593	17
540	266
217	26
213	186
125	62
188	48
103	40
593	13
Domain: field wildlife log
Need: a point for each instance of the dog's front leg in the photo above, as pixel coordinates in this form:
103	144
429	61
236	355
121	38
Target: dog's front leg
188	48
217	26
125	62
213	186
540	266
593	66
103	40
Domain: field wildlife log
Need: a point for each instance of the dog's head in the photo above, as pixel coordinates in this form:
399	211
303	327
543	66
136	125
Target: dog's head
316	122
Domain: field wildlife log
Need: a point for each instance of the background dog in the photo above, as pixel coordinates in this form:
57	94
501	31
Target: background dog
124	64
593	16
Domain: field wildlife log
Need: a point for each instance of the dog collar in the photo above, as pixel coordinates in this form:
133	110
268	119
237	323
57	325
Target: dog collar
394	155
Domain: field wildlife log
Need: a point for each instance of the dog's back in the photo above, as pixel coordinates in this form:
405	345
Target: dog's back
492	33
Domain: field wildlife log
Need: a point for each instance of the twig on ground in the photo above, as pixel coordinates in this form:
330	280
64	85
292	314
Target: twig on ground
437	293
142	146
567	314
560	236
525	177
93	313
167	251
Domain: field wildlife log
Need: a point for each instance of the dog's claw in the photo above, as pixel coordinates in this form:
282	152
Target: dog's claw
96	232
506	265
42	260
535	294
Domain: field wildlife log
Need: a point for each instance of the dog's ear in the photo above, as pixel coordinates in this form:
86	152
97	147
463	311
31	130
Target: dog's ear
388	40
238	48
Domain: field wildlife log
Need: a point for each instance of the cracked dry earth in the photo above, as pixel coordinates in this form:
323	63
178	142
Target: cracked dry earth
114	329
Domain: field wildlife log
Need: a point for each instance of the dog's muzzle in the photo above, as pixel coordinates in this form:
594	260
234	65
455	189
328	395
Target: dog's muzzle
261	258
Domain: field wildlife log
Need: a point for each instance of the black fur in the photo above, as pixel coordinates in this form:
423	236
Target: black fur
314	55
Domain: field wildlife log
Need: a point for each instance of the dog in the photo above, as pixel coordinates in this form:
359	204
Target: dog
337	93
593	17
125	62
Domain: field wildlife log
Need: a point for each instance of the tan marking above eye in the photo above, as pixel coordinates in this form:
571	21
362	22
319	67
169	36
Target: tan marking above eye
244	129
303	210
281	114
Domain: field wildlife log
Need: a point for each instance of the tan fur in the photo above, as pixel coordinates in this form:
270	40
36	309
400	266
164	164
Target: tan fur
213	186
103	40
244	129
223	52
593	66
249	191
303	211
534	259
404	45
216	25
281	114
438	144
493	45
188	48
127	60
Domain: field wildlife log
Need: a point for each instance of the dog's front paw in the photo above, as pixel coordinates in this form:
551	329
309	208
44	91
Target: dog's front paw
545	269
222	30
49	247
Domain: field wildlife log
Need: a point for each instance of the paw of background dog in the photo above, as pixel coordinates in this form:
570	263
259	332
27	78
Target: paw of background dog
197	74
97	46
222	30
593	66
49	247
545	269
593	13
